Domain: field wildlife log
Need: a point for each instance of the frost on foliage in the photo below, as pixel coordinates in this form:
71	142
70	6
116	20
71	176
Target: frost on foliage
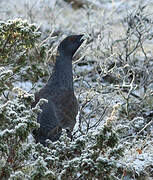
4	73
21	36
18	175
138	123
40	170
17	120
93	155
4	78
18	40
96	154
138	161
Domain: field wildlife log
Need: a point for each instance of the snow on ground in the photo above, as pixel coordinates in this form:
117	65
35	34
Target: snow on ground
51	16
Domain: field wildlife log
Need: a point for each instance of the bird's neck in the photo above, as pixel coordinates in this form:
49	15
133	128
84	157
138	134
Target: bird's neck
62	77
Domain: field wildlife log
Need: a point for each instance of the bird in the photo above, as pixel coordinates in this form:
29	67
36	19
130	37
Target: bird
62	107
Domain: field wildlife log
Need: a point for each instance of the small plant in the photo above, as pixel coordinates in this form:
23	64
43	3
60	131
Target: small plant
19	51
93	155
17	120
109	140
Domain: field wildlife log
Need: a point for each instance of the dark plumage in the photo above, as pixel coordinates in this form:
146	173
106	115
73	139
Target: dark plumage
62	107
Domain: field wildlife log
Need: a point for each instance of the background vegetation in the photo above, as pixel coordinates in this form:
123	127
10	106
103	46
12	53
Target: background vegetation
113	82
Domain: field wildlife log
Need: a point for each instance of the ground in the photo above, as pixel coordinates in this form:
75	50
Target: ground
102	22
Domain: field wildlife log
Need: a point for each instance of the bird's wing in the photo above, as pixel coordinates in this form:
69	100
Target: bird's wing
66	108
49	123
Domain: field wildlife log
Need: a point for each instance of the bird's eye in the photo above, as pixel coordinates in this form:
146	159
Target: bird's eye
71	39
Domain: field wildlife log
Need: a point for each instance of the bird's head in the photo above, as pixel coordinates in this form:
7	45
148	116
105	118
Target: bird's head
69	45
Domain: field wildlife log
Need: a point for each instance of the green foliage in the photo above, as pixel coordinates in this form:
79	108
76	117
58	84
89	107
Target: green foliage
90	155
5	76
17	120
106	138
16	38
20	52
41	171
117	68
94	155
83	158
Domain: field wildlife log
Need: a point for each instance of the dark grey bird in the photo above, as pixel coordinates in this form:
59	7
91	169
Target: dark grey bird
61	110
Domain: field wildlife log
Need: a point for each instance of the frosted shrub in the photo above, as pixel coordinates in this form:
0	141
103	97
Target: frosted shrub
17	120
20	52
112	71
93	155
